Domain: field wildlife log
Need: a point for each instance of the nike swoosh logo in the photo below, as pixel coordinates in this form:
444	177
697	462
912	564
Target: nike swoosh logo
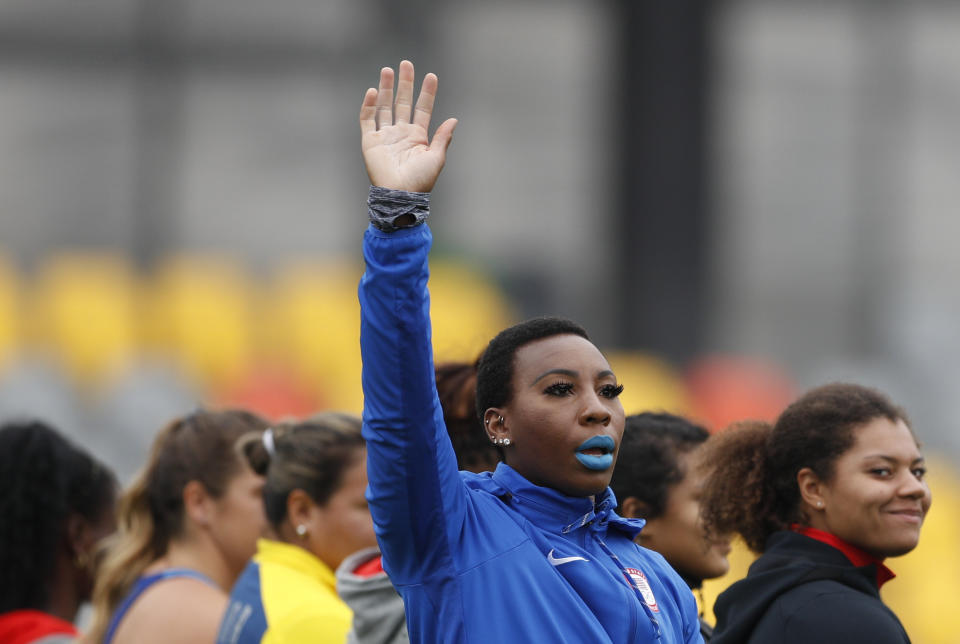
559	561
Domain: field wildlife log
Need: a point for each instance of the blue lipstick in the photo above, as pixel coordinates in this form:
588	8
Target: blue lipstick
597	462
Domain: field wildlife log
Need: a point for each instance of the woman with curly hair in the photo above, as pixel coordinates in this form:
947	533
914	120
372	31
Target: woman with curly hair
57	504
826	494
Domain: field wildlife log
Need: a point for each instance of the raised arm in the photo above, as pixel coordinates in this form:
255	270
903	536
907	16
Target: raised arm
415	493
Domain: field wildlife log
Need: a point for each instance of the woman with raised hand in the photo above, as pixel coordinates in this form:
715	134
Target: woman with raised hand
826	494
532	552
659	479
187	527
316	474
57	504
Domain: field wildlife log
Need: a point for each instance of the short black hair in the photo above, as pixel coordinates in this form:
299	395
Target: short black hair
648	464
45	479
495	367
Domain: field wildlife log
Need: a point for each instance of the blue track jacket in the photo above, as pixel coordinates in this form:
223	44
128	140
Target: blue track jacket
487	558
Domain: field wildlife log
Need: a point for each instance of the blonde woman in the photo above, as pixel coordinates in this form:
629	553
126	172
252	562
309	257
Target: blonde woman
187	527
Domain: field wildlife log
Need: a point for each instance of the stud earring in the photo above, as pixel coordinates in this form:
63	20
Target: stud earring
819	504
506	442
501	419
82	560
301	530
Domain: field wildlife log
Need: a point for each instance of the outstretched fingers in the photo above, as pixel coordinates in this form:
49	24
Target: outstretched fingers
368	112
385	98
428	94
404	92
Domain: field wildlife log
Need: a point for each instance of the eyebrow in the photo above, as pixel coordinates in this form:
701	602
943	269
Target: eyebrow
569	373
893	460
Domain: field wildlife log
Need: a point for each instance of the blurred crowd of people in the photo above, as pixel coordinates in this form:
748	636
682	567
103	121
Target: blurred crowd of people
509	499
237	530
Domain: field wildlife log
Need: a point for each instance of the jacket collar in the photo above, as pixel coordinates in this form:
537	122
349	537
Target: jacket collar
857	557
552	510
295	557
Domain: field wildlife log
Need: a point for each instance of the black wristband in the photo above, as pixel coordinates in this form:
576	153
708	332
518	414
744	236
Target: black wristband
385	207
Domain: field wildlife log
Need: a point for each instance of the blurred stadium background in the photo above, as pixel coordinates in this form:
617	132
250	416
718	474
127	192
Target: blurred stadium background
740	199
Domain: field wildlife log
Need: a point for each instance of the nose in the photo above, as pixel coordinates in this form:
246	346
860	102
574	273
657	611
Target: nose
594	411
912	487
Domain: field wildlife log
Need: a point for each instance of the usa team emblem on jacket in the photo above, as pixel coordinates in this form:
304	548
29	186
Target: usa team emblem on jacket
639	580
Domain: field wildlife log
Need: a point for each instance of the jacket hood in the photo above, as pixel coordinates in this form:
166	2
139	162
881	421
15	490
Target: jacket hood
378	614
789	560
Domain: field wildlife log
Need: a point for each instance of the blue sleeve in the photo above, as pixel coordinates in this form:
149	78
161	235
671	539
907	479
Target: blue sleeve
415	492
689	627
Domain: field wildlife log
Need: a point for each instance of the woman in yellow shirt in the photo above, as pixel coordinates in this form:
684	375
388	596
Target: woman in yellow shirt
316	474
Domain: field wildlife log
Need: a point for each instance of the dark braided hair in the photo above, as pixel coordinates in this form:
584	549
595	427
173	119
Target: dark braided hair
648	464
752	486
495	367
45	479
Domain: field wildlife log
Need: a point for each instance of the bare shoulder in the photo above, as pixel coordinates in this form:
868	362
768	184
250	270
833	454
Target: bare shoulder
174	610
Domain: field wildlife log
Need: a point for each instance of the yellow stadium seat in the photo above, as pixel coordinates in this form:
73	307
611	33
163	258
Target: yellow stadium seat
466	309
84	310
315	322
10	313
314	325
649	383
201	314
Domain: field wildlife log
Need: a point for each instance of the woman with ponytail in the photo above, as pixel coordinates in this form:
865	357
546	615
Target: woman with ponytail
827	493
57	504
187	527
316	475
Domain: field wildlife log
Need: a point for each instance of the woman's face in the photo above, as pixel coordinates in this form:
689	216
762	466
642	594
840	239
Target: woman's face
239	518
343	525
565	419
877	498
679	535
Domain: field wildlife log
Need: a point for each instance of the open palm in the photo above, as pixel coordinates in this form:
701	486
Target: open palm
397	150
